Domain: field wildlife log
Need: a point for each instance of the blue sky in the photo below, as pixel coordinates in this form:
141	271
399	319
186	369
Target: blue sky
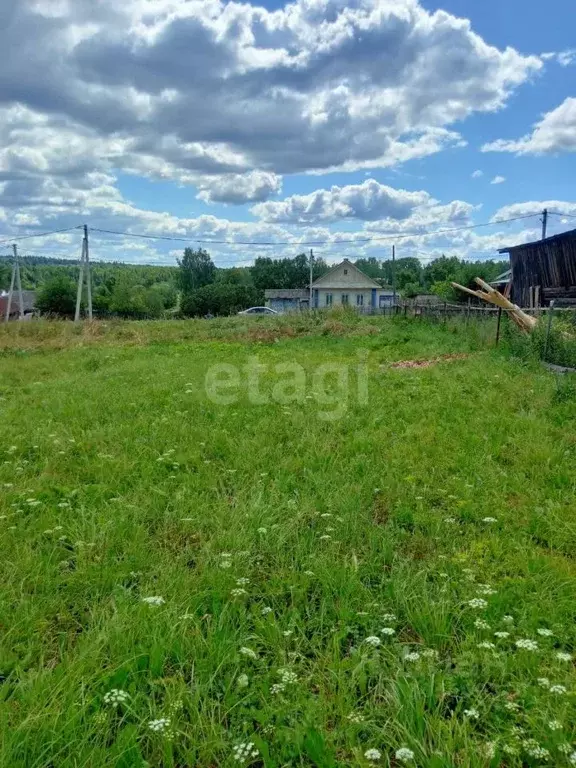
265	122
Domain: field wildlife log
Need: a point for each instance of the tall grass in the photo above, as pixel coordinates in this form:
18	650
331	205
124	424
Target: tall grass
347	592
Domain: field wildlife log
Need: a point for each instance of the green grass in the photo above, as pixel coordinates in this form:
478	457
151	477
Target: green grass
120	479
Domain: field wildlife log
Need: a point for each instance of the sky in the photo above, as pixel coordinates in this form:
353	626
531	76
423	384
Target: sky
259	129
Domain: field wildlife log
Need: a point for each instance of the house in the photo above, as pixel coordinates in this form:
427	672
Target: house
346	285
287	299
544	270
28	299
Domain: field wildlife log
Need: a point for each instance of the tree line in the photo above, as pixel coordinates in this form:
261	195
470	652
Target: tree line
197	287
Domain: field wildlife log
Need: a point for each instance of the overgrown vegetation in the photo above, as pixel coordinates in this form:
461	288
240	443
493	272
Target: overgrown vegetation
149	292
183	579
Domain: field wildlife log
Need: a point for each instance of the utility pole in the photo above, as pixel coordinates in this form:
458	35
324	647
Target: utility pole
544	222
15	279
84	262
393	275
311	276
88	275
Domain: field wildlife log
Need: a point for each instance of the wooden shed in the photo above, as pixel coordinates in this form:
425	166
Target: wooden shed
544	270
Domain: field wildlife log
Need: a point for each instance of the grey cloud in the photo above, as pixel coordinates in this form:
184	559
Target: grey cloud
214	89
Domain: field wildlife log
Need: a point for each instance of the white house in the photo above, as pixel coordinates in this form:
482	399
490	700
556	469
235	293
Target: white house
346	285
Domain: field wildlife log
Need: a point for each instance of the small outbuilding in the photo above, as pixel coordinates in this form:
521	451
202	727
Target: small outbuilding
544	270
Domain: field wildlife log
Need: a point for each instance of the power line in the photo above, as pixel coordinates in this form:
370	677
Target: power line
303	243
40	234
562	215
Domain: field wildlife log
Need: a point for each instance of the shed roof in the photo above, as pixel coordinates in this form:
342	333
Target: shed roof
286	293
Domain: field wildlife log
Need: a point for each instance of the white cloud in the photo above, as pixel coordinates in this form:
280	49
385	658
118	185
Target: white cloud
535	207
240	188
556	132
498	180
198	91
367	201
564	58
477	174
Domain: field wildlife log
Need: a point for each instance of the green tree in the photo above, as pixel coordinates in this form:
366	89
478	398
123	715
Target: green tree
220	299
58	297
196	270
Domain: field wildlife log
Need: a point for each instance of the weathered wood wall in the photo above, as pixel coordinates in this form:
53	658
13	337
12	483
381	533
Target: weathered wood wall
550	264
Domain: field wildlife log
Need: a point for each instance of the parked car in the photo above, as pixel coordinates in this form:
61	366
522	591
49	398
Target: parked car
259	311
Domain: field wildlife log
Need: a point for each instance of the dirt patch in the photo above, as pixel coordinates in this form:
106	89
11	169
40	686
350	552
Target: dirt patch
426	363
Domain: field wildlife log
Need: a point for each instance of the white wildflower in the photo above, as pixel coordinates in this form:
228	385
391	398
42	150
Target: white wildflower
413	656
481	624
489	749
388	631
404	755
160	725
555	725
472	713
373	755
558	689
508	619
502	635
527	645
512	706
388	617
154	600
244	752
561	656
486	644
510	749
572	758
544	632
565	749
449	519
238	592
355	717
489	520
430	653
287	676
288	632
309	573
263	531
266	610
485	589
373	640
116	696
277	688
242	681
242	582
543	682
225	564
477	602
248	652
325	537
532	748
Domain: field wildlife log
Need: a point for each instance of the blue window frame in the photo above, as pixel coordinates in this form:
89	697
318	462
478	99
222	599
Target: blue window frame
328	299
344	299
359	299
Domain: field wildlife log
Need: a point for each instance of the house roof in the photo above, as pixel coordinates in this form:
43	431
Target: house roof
363	280
570	235
28	299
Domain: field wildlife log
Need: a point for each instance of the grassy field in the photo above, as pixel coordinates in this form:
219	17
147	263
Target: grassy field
369	566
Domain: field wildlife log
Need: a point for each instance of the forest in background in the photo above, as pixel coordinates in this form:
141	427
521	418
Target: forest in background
196	286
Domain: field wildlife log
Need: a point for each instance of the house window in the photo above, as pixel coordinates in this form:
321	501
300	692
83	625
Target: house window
345	271
359	299
344	298
328	299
